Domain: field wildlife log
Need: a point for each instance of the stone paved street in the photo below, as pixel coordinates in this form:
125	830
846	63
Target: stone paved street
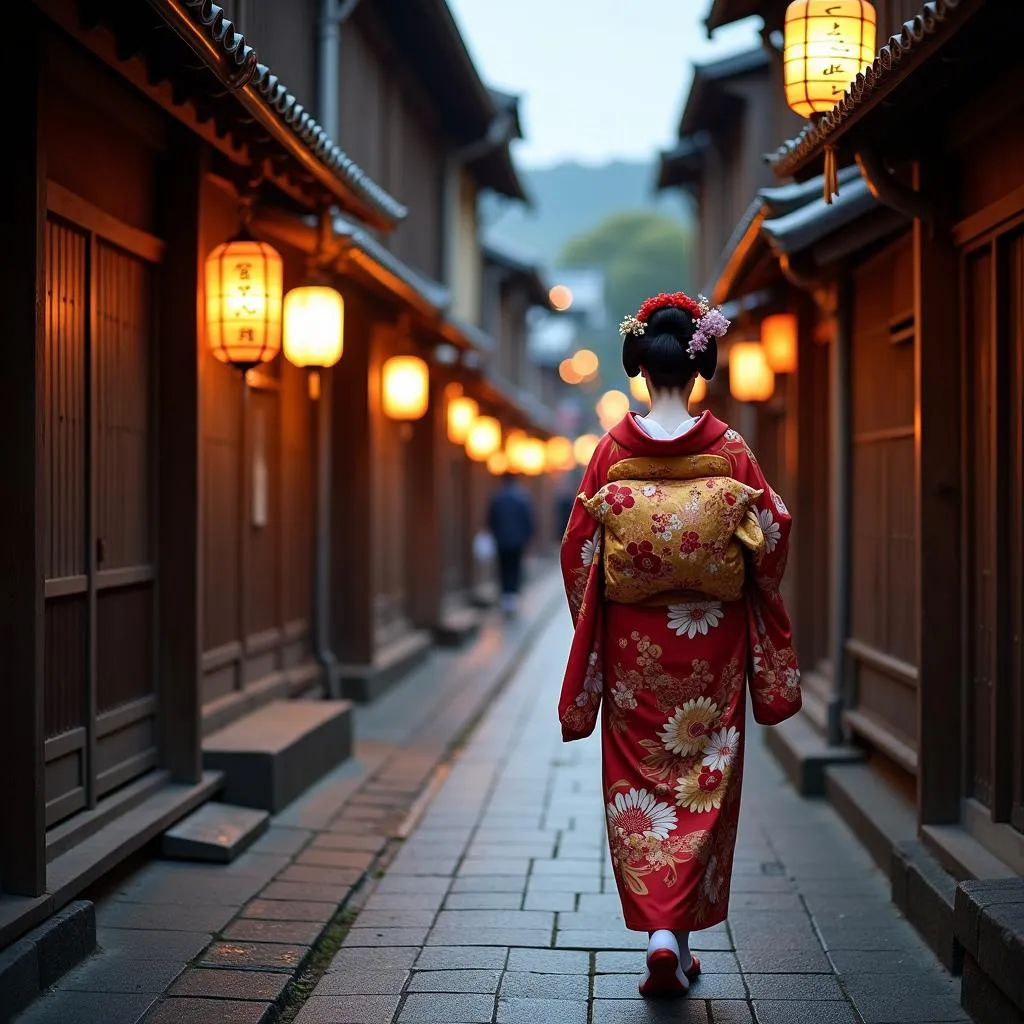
501	907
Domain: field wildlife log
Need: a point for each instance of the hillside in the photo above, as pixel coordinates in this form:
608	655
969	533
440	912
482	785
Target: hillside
570	199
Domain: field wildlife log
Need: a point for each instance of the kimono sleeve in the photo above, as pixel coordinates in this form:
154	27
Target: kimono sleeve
581	539
774	673
582	685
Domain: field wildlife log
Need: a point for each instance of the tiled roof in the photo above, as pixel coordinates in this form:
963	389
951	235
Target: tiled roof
433	296
937	20
239	55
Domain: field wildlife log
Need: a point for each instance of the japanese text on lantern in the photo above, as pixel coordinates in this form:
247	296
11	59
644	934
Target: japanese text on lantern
827	44
243	299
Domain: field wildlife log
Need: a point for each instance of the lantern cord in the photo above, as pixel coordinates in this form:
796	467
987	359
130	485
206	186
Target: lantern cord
831	182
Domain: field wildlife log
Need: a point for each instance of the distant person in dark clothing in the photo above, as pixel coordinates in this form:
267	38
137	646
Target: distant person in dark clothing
511	524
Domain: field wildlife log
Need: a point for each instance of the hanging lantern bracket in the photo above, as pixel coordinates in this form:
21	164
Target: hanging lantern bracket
325	256
882	184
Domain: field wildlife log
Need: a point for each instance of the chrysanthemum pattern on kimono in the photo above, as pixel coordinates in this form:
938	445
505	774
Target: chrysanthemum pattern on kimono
671	680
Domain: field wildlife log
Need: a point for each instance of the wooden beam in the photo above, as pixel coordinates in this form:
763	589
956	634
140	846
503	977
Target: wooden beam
352	490
179	358
841	349
23	509
426	536
938	499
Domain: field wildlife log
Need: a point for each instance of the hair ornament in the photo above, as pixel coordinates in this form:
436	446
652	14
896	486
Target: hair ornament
709	321
632	325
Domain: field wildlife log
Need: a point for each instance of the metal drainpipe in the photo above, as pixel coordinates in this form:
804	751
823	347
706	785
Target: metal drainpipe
332	14
841	422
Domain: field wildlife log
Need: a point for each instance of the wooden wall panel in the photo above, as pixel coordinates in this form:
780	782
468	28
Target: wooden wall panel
1014	308
222	502
87	115
392	501
64	426
364	104
285	38
124	409
884	621
982	519
416	166
297	473
261	511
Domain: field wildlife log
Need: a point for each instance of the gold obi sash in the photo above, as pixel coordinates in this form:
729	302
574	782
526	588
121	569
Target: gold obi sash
673	526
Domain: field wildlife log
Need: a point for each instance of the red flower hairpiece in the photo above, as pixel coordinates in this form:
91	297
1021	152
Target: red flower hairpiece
677	300
708	321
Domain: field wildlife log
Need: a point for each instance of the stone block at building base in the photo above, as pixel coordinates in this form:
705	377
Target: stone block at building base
879	816
458	626
983	999
925	892
44	955
366	683
989	924
217	833
485	595
804	754
273	755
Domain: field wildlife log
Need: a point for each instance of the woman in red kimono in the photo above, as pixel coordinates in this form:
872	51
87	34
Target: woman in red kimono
670	666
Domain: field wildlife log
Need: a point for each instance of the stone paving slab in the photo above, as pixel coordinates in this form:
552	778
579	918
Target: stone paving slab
261	916
501	907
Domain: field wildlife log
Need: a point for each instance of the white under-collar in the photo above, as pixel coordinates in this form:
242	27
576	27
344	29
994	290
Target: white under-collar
659	433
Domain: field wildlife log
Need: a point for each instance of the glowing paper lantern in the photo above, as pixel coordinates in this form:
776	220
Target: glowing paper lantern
462	413
779	338
560	297
314	326
483	439
244	281
513	442
560	458
638	388
583	448
405	388
532	456
585	363
700	391
827	44
750	377
497	463
568	373
611	407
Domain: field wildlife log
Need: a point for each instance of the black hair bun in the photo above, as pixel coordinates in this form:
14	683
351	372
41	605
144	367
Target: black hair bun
663	350
674	321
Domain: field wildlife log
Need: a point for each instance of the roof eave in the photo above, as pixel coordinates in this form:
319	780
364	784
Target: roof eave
937	24
738	253
497	173
709	77
203	28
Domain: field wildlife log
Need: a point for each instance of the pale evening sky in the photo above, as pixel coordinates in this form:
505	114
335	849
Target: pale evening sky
599	79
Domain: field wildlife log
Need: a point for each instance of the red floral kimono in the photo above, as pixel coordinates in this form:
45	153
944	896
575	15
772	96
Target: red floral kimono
671	677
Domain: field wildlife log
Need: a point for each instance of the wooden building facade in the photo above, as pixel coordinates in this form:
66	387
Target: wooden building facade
905	281
167	553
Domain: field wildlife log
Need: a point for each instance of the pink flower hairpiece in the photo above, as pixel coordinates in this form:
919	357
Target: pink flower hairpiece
709	321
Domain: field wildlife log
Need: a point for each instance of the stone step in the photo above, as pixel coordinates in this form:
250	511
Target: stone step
273	755
216	832
458	626
365	683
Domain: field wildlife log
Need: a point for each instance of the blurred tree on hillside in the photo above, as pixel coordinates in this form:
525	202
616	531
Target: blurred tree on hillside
641	253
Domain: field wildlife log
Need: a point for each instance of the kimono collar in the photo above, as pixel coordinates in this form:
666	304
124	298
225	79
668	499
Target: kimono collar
702	435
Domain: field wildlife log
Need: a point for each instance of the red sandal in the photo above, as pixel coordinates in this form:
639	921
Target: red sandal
693	970
663	975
